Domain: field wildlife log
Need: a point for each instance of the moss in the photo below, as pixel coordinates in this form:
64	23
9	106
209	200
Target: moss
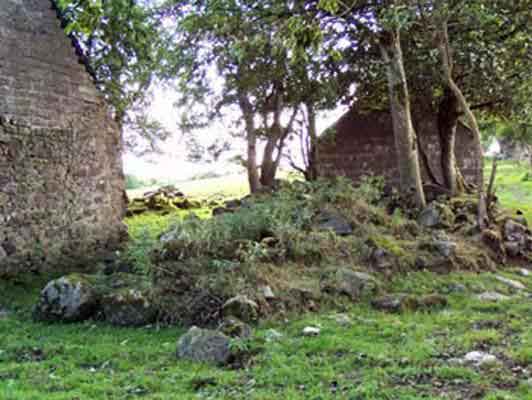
388	243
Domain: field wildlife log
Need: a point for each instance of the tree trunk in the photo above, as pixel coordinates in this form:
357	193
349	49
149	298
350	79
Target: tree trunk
448	114
269	167
447	64
404	133
313	166
251	138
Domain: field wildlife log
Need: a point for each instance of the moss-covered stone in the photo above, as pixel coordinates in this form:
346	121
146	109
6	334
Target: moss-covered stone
70	298
203	345
242	308
129	307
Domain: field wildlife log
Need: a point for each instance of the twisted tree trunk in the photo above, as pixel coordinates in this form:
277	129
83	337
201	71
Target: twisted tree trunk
448	114
444	48
251	138
404	133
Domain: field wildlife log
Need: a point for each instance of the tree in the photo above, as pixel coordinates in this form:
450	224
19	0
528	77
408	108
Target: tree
259	82
481	45
368	25
120	43
404	133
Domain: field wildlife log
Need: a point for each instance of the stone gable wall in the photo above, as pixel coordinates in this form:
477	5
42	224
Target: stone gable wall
363	145
61	179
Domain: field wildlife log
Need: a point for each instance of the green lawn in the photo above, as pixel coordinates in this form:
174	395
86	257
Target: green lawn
512	189
227	186
378	356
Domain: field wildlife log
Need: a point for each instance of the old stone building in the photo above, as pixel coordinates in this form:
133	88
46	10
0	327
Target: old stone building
362	144
61	180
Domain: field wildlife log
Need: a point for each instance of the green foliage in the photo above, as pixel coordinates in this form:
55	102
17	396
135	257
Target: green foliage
121	44
134	182
272	228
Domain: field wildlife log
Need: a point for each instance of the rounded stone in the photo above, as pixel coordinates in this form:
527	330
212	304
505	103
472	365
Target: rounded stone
203	345
242	308
129	307
68	299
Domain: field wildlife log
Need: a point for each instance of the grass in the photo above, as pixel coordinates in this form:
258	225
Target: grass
228	186
378	356
513	188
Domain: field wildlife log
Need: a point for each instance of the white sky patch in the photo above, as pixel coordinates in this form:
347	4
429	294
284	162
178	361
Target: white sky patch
172	165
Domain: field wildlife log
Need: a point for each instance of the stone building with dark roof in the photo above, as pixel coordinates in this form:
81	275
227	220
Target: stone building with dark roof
362	144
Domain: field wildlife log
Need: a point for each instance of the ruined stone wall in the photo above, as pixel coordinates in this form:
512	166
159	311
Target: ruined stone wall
61	180
363	145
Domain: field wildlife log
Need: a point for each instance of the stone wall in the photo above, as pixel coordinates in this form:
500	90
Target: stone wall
363	145
61	180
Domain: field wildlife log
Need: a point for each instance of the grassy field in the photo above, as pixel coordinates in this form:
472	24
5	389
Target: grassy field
227	186
513	185
377	356
409	356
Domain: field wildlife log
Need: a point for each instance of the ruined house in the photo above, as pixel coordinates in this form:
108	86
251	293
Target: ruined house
61	179
362	144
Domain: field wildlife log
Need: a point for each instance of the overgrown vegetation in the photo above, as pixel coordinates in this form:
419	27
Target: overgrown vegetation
276	240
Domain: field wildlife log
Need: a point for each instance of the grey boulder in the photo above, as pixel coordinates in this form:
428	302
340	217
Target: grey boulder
203	345
70	298
129	307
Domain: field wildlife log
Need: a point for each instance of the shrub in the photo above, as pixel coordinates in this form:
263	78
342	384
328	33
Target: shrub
275	227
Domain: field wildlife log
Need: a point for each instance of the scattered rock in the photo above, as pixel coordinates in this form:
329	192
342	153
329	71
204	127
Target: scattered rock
395	303
402	302
515	232
235	328
524	272
310	331
166	199
446	248
272	335
487	324
242	308
331	221
511	283
493	240
235	203
441	244
221	210
479	358
432	302
68	299
436	215
267	292
381	258
492	297
203	345
343	319
355	284
513	249
129	307
456	288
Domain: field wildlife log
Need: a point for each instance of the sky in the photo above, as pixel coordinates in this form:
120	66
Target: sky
172	165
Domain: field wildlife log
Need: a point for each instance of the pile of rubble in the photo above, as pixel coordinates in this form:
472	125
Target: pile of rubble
163	200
